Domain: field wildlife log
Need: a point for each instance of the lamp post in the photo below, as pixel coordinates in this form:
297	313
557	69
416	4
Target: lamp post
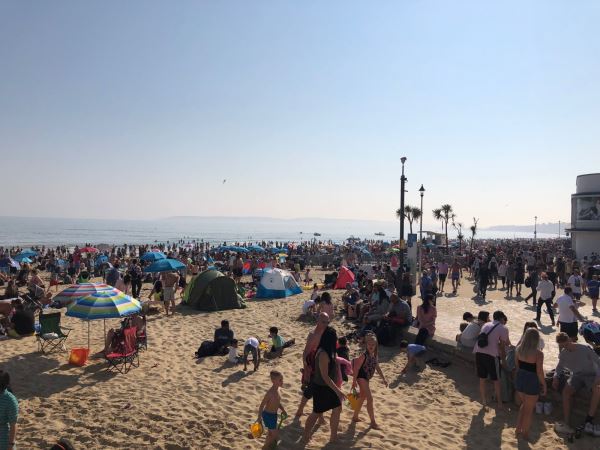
535	228
402	182
421	191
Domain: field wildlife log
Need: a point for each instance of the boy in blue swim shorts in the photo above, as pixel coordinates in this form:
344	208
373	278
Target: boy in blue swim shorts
267	412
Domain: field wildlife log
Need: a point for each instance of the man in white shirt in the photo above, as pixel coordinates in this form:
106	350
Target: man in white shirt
546	291
575	282
568	314
468	338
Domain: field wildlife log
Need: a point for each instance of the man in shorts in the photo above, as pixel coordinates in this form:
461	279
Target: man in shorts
487	358
568	314
442	268
170	282
456	272
584	365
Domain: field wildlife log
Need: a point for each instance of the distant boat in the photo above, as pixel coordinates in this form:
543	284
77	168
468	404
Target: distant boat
317	234
380	234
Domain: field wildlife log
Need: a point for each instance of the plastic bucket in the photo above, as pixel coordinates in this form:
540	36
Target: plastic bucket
256	429
79	356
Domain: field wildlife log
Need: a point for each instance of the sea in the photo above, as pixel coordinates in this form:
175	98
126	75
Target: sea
28	231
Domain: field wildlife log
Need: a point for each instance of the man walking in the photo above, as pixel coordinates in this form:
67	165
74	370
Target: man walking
546	290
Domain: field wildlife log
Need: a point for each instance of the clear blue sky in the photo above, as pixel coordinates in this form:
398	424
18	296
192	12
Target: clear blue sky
140	109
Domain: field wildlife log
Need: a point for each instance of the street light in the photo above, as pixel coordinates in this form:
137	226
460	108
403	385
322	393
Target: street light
402	182
535	228
421	191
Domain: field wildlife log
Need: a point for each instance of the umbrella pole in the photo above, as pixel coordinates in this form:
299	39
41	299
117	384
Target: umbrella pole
104	330
88	335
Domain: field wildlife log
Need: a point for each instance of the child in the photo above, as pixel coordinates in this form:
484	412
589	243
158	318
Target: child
343	352
413	352
364	368
233	349
252	346
267	411
278	343
307	279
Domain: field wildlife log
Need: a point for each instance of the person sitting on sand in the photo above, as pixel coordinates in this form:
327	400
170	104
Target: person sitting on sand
364	367
326	306
413	351
233	357
223	337
309	308
267	411
349	299
278	343
252	346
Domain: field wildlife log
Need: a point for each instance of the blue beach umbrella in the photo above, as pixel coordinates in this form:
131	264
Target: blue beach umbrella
26	254
101	260
256	248
153	256
164	265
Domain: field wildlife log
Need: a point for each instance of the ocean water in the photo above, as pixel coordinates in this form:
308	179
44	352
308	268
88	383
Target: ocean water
26	231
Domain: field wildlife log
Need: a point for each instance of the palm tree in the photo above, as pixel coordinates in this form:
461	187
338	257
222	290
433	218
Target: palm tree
411	213
473	233
460	236
445	215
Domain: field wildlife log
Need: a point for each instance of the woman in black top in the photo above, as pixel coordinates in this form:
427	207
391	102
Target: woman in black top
326	395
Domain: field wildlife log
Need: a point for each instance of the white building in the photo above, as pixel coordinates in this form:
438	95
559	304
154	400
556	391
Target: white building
585	215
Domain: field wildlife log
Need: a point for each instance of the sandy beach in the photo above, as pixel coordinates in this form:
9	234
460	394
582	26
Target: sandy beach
172	401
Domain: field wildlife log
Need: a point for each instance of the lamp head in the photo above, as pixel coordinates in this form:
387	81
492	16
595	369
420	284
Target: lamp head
403	159
422	189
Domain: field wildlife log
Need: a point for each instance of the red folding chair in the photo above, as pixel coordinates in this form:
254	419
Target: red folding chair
125	357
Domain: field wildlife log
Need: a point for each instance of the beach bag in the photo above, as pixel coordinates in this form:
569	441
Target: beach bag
528	282
385	334
207	348
482	339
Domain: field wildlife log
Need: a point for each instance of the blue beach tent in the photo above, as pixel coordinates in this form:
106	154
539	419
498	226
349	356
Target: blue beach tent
277	283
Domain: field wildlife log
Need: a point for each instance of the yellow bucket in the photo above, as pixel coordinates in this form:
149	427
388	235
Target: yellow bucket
353	399
256	429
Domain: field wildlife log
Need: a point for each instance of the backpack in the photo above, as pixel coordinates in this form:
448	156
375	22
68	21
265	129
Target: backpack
482	339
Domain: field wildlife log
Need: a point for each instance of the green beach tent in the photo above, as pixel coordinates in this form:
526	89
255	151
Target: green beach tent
212	291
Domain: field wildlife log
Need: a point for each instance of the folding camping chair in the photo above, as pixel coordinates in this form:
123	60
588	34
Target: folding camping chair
52	335
125	357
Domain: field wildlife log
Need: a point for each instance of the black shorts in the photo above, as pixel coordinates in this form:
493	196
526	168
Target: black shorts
487	366
570	328
324	399
443	276
237	272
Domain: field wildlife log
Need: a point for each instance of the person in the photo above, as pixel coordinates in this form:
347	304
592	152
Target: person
584	365
124	283
267	411
533	283
568	314
223	337
484	279
456	273
364	367
23	321
413	351
399	312
342	351
442	270
36	285
529	380
593	288
278	343
252	346
9	413
426	315
156	294
575	282
308	360
170	283
486	358
63	444
519	276
468	337
326	306
510	278
232	357
502	272
135	275
327	395
426	285
546	291
406	289
526	327
113	275
349	299
308	308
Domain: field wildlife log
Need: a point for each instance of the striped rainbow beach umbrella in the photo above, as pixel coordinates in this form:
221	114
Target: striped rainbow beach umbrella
76	291
107	304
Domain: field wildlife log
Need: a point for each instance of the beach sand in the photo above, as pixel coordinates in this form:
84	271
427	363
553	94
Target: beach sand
173	401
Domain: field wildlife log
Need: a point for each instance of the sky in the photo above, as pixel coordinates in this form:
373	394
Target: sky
141	109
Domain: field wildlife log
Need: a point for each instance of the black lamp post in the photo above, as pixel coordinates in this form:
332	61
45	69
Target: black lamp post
402	182
421	191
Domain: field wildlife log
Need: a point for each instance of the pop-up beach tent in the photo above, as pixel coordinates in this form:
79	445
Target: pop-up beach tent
345	275
277	283
212	291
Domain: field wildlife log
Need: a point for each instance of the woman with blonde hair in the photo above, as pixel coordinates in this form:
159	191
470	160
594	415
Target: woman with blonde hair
529	382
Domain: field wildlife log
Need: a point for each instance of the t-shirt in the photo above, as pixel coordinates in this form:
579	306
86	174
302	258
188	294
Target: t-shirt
9	412
223	336
278	341
581	359
307	304
468	337
575	281
593	288
545	289
500	333
414	349
565	314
